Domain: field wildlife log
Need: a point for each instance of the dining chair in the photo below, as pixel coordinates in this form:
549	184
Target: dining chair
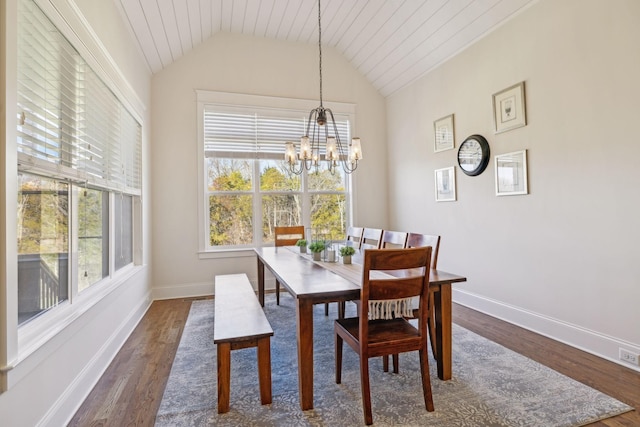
371	238
354	236
286	236
393	239
380	337
416	240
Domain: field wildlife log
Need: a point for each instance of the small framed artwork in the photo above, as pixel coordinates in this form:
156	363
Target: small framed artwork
509	108
444	137
511	174
445	184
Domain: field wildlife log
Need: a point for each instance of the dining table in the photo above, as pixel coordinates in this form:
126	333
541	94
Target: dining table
317	282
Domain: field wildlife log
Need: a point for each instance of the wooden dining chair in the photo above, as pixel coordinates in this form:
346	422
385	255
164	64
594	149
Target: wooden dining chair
393	239
380	337
286	236
353	238
371	238
416	240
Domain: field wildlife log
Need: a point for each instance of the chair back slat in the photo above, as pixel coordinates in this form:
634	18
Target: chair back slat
288	236
354	236
416	240
371	238
394	239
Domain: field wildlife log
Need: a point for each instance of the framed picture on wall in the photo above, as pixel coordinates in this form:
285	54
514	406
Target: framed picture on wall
445	184
444	135
509	108
511	174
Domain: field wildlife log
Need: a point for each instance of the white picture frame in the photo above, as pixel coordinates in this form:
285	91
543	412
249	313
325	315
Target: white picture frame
509	111
445	184
511	173
444	134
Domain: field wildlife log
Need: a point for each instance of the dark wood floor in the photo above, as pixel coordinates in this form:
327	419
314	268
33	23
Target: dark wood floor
130	391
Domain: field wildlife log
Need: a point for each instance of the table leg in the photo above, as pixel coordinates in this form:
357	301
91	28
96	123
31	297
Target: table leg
442	307
261	282
304	314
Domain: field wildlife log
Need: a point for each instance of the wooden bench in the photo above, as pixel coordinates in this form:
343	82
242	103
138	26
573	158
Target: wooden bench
240	323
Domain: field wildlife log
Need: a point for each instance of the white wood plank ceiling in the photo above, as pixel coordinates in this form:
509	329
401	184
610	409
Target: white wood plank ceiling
391	42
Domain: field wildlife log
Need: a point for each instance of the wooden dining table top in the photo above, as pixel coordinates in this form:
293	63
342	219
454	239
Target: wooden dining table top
304	277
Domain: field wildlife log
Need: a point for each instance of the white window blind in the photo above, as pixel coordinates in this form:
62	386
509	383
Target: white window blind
70	124
258	134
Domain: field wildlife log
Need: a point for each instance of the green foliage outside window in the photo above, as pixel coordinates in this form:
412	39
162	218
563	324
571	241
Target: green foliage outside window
231	201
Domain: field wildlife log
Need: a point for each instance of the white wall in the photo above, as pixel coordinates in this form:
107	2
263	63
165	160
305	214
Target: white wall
46	386
242	64
562	260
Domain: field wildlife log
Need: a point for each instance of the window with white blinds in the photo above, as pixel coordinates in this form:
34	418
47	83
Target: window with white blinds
258	134
69	121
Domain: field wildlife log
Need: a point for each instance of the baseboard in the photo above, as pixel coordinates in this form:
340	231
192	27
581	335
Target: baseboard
68	403
584	339
192	290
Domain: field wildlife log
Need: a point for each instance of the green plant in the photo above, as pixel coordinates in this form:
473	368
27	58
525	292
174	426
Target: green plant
317	246
301	242
347	251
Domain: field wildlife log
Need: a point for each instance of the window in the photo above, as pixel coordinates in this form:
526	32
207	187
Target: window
249	189
79	160
43	248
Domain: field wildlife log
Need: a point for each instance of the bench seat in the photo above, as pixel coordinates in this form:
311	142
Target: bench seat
240	323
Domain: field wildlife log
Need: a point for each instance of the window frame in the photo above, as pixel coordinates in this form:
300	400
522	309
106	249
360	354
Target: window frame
24	340
251	103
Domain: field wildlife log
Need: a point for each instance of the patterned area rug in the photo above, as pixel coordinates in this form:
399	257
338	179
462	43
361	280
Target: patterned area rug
491	385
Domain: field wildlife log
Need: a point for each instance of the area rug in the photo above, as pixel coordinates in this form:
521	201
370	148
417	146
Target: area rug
491	385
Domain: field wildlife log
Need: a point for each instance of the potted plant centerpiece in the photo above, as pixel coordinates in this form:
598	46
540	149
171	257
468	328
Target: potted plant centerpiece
316	249
302	244
346	252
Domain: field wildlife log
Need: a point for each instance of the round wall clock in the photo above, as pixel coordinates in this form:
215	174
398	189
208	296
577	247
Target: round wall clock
473	155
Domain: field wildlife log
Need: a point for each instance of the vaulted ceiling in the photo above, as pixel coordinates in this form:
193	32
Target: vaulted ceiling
391	42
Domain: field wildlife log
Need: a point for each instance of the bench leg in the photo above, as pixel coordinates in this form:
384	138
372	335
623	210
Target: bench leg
224	376
264	369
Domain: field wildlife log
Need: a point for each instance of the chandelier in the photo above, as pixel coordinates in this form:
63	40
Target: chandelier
322	125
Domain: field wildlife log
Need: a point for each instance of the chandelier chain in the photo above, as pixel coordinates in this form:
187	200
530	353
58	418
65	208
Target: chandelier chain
320	49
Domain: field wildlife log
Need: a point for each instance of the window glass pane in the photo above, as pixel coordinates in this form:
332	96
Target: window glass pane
93	236
229	174
323	180
230	220
328	215
123	223
279	210
275	176
43	248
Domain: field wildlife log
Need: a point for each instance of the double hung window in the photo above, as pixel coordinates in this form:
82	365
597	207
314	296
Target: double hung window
248	188
79	165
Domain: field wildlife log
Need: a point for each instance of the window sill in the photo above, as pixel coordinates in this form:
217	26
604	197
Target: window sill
227	253
37	332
